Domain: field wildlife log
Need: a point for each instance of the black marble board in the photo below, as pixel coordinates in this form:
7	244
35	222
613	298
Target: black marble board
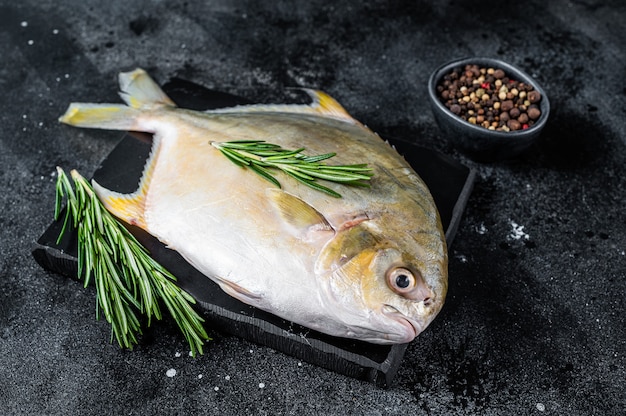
449	181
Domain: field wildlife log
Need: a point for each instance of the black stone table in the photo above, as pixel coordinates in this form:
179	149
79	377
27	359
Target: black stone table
534	320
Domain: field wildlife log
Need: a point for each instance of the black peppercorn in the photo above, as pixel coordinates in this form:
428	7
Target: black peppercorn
487	97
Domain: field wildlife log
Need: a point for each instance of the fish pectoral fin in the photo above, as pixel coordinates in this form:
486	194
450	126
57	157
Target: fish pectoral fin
138	90
305	222
127	207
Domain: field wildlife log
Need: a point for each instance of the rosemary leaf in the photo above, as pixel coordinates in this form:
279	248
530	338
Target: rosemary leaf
261	156
127	279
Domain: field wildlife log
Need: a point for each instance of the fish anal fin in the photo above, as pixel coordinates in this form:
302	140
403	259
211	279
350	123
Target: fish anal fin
131	207
304	221
127	207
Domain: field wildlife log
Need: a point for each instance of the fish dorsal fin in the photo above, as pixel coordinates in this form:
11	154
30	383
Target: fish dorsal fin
322	105
302	219
131	207
327	105
138	90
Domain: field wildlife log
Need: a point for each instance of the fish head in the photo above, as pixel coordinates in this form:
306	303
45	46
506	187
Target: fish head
385	282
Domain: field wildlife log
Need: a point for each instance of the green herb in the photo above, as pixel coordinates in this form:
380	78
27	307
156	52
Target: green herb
127	279
261	156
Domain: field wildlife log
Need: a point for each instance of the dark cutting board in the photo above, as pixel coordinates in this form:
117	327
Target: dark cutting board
450	184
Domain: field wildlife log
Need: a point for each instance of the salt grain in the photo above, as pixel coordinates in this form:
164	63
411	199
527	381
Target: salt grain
216	388
541	407
170	373
31	42
261	385
24	24
226	378
518	232
177	354
461	257
55	32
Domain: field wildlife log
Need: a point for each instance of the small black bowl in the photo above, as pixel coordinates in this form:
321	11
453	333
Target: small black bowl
477	142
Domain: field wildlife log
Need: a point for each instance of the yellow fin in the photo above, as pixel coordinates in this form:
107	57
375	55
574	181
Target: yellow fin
131	207
322	105
100	116
305	221
138	90
327	105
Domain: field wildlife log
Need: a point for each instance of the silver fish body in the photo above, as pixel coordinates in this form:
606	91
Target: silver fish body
371	265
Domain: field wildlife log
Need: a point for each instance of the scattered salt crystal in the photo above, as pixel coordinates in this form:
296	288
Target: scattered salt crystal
199	376
190	354
481	229
55	31
226	378
462	258
518	232
177	354
67	76
170	373
300	364
541	407
251	351
261	385
216	388
31	42
24	24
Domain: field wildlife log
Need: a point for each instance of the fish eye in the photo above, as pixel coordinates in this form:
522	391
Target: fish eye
401	280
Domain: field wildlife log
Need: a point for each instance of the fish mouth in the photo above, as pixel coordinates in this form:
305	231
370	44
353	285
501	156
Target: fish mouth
410	327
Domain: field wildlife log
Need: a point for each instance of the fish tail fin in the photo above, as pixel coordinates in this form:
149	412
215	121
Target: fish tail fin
100	116
138	90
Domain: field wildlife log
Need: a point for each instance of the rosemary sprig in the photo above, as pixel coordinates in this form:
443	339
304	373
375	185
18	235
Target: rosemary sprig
261	156
126	278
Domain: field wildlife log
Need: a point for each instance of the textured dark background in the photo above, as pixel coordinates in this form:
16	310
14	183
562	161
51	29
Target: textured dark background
534	322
